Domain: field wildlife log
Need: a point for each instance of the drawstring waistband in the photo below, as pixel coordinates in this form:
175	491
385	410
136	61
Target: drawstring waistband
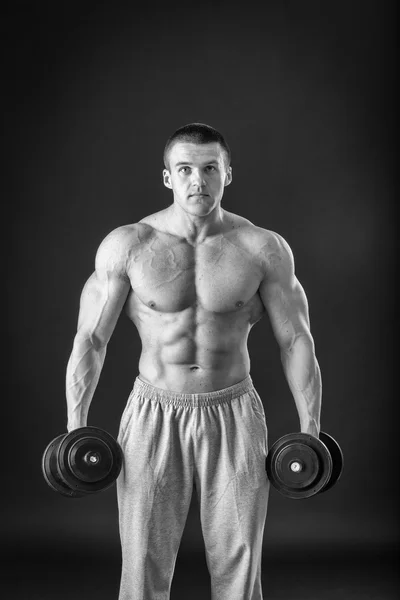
203	399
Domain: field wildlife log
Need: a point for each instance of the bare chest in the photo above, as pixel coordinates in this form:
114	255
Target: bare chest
220	276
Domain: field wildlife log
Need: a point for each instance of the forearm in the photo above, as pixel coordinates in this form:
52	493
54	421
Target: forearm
83	372
304	378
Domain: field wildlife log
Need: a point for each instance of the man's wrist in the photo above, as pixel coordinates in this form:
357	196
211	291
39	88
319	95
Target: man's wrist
311	428
71	425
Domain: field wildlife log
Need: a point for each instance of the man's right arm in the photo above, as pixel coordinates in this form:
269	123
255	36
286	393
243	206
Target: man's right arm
102	300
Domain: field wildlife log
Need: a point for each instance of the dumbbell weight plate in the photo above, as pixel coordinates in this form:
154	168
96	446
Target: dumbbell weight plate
299	465
50	470
337	459
89	460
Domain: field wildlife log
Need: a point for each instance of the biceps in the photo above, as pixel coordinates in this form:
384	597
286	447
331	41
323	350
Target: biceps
288	311
101	303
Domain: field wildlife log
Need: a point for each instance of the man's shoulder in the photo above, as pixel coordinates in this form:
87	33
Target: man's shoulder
126	236
122	243
121	246
256	238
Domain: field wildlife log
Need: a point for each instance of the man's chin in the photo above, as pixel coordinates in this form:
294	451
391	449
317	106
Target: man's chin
201	208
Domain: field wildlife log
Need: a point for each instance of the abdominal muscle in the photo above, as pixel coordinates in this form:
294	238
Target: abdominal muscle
193	351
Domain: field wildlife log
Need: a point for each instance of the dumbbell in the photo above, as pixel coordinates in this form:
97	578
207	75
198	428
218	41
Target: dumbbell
82	462
300	465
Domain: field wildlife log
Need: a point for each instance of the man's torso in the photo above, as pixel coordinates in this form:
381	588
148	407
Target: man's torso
194	305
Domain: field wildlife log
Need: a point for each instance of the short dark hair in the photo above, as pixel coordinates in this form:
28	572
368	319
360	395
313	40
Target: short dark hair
196	133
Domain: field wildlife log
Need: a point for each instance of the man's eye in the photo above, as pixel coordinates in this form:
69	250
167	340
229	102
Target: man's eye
184	170
210	168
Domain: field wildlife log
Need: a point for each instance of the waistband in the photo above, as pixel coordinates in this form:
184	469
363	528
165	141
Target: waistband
193	400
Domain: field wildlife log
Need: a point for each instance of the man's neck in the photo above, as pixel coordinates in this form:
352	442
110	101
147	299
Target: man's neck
193	228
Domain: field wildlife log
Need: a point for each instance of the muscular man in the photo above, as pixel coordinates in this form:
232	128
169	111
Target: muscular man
194	278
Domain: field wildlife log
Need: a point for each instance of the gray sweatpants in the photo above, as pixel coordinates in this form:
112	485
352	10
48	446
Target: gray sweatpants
215	440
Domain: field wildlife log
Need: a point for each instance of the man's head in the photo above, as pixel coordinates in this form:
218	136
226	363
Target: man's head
197	167
197	133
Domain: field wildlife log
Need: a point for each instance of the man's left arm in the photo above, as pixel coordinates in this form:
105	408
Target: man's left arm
287	307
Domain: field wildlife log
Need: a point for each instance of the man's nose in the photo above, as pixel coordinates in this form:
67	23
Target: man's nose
198	177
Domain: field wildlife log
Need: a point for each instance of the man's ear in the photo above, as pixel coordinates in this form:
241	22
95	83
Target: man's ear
167	179
228	176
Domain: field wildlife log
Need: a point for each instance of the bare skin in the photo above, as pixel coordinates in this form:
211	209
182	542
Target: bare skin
194	279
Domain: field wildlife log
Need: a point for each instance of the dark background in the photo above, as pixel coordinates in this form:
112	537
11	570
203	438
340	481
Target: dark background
304	93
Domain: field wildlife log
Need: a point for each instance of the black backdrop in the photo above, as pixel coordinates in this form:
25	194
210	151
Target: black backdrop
304	93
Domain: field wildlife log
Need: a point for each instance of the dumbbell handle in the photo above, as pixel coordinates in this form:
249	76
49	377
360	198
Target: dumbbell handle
92	458
296	466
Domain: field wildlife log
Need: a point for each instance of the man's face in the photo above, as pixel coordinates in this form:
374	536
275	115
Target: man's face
197	176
